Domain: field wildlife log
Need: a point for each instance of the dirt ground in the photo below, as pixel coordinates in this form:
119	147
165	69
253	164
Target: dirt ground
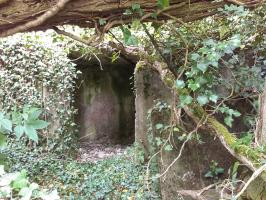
92	152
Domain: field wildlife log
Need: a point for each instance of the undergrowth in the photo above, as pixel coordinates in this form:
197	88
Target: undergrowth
119	177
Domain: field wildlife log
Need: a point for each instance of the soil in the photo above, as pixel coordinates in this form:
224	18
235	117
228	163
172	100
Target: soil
93	152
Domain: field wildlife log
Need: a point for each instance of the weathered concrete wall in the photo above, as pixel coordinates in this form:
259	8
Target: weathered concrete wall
149	88
105	103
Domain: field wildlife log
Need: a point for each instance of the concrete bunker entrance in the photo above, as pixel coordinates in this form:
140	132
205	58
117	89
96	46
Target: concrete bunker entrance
105	102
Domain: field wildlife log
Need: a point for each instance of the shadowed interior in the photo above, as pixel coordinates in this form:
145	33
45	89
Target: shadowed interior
105	102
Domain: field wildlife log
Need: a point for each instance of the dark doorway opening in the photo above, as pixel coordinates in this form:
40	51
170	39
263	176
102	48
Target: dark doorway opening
105	102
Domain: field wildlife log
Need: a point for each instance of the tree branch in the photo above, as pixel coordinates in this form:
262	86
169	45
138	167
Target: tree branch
40	20
74	37
244	154
21	16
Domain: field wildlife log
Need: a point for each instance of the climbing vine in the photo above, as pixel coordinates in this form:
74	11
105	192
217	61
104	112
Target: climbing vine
38	73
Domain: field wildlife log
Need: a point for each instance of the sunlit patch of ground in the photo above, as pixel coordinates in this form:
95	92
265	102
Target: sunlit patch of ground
92	152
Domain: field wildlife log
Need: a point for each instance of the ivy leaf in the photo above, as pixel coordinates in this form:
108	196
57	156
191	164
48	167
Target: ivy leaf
235	41
180	84
195	56
132	41
193	85
135	7
168	148
236	113
128	12
129	39
219	170
208	175
185	100
158	141
202	67
202	100
26	192
159	126
228	121
102	21
201	80
213	98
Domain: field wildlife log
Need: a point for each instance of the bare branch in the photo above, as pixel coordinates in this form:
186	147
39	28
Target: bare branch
251	179
74	37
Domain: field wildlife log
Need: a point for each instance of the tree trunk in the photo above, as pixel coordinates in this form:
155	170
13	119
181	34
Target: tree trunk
19	16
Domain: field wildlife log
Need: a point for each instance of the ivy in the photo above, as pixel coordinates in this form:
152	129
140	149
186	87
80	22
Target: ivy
38	73
162	3
230	113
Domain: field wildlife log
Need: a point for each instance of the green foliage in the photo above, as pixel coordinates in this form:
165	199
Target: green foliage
207	59
135	9
214	170
102	21
245	140
38	73
202	100
162	3
28	122
234	173
5	127
115	56
17	186
229	114
185	100
129	39
5	123
120	177
235	10
180	84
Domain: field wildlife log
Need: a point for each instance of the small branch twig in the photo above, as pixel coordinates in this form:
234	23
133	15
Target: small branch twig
157	48
76	38
252	178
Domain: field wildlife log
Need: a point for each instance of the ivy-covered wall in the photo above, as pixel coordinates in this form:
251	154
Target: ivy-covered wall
39	74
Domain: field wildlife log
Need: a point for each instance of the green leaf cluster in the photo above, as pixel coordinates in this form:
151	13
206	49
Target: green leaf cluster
129	38
17	184
214	170
28	122
230	113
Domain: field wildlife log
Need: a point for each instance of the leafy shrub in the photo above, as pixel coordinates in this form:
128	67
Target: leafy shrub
118	177
17	186
39	73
